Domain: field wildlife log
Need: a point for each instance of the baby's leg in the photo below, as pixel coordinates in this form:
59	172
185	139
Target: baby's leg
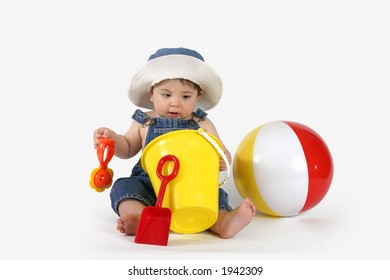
129	216
230	223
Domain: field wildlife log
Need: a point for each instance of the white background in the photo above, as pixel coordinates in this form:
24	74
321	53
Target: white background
65	69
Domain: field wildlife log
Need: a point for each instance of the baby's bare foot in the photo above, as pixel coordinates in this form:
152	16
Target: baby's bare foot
234	221
128	224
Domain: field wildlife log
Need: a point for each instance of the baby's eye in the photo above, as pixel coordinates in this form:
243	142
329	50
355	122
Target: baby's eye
166	94
186	96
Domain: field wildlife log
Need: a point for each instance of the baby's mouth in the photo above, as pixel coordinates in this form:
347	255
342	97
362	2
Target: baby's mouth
173	114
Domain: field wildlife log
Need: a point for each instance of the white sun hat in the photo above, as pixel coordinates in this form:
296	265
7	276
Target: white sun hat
176	63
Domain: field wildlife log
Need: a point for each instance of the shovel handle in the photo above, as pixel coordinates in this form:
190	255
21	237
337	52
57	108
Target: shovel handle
165	179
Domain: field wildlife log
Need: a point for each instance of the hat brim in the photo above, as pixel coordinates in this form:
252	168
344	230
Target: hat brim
176	67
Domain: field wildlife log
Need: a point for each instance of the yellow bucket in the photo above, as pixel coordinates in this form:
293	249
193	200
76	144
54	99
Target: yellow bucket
193	195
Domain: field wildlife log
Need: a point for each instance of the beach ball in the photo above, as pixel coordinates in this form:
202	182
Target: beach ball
284	167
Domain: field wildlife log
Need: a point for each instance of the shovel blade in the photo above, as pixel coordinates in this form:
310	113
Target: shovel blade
154	226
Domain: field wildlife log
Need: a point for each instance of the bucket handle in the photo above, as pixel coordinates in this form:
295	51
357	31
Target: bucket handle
220	151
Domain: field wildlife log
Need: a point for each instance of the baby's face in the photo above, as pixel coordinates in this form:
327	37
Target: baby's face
174	99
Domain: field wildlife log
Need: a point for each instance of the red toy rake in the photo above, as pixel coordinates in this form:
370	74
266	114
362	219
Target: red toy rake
155	221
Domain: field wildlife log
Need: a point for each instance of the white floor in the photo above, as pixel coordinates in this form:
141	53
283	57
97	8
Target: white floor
75	222
65	71
333	230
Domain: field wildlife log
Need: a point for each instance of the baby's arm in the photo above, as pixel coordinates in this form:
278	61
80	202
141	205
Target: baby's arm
126	146
209	127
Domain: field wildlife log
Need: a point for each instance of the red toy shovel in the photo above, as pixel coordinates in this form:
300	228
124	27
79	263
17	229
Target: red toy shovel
155	222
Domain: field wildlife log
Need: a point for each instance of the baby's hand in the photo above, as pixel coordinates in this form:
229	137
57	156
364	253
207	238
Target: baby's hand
222	164
102	132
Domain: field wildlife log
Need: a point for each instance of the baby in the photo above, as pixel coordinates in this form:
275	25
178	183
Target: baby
177	87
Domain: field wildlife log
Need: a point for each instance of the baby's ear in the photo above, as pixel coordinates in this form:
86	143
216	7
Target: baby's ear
151	95
200	93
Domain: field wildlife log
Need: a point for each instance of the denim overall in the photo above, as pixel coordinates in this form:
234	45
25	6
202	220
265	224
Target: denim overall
138	185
